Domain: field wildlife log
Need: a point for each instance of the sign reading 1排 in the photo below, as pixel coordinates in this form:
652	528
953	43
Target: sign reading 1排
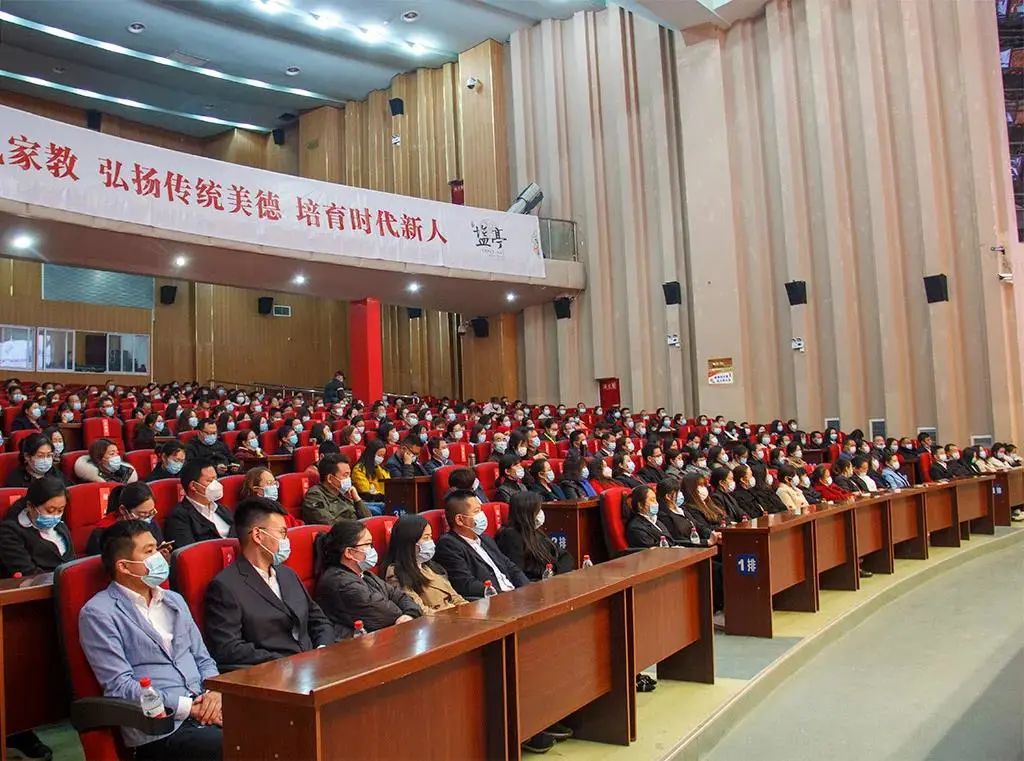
59	166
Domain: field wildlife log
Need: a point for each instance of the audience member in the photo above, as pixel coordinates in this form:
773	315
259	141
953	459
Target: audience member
33	536
171	461
334	498
524	543
209	447
198	517
132	502
410	566
104	464
35	461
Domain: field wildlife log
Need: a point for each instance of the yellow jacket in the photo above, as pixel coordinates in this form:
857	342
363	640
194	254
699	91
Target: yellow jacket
366	485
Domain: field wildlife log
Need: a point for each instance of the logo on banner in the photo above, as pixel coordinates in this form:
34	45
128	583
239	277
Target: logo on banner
746	565
721	371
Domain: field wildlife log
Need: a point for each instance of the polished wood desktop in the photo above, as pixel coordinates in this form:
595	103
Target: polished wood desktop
72	435
409	495
279	464
579	523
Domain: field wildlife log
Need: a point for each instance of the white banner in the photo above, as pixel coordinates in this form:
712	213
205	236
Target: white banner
52	164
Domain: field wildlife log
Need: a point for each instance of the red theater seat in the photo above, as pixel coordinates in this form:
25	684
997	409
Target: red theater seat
102	428
186	436
302	559
17	437
440	482
549	448
293	488
380	527
304	457
437	520
8	464
459	453
8	496
483	451
487	472
230	439
353	452
611	520
143	460
193	568
497	516
167	492
67	463
87	503
232	485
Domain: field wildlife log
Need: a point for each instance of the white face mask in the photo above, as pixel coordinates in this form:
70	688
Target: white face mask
769	480
606	472
702	492
538	521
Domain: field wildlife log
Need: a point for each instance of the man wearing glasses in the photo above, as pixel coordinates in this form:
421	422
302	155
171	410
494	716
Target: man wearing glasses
257	609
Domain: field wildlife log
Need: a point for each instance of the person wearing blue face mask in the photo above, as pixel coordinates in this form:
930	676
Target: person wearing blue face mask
245	624
33	538
410	566
147	431
260	482
346	588
172	460
404	463
133	502
30	418
104	464
35	461
287	440
209	447
127	632
469	555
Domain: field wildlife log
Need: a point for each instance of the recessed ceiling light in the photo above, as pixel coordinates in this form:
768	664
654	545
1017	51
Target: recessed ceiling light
372	33
136	27
410	16
292	71
413	287
510	296
58	70
299	280
180	261
208	107
324	19
22	242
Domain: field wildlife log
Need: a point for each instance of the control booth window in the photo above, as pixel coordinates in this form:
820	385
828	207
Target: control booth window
127	353
55	350
16	350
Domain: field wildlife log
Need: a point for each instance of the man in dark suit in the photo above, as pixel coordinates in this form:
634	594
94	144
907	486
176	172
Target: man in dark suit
470	556
404	463
208	447
652	471
257	608
198	516
335	389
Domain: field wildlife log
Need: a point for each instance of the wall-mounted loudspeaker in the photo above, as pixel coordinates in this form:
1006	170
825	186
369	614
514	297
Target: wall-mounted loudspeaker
265	304
673	293
563	309
414	312
94	120
397	106
936	288
481	328
278	136
796	290
168	293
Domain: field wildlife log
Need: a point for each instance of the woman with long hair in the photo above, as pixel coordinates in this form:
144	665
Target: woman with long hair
525	544
409	566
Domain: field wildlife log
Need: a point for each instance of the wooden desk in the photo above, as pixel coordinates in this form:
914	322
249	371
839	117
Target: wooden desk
909	525
279	464
974	498
33	691
161	440
814	456
1015	480
72	433
409	495
941	520
770	562
578	522
873	520
835	546
1001	498
347	700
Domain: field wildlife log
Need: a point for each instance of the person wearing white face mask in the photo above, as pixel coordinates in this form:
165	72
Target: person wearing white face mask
439	456
369	475
409	565
723	483
524	542
654	460
789	489
199	516
511	478
499	446
698	466
348	591
334	498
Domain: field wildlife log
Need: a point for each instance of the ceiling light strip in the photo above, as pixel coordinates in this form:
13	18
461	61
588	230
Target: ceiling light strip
121	50
126	102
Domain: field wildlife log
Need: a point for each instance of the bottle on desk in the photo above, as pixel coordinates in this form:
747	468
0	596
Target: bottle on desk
359	630
694	536
489	590
587	562
150	700
663	542
549	572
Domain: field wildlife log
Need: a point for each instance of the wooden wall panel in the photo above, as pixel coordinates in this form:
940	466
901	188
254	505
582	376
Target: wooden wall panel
174	333
320	138
490	366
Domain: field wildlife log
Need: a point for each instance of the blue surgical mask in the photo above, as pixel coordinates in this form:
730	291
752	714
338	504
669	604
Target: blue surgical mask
293	439
480	523
423	438
370	559
114	463
264	426
654	511
47	521
58	447
158	426
679	499
585	473
42	464
231	425
425	551
157	570
37	413
284	547
193	422
272	491
174	466
252	443
209	439
77	406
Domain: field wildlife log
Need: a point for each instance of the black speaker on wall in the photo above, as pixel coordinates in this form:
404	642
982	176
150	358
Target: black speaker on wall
278	136
673	293
265	304
414	312
168	293
397	106
936	288
481	328
94	120
563	309
796	290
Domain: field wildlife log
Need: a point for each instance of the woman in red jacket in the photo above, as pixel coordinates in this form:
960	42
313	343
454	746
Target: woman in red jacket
821	480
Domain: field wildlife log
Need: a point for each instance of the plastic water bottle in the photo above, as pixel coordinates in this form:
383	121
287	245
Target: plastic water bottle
663	542
152	703
489	590
587	562
549	572
360	630
694	536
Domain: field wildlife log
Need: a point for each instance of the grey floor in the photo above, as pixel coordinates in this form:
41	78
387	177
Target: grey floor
938	675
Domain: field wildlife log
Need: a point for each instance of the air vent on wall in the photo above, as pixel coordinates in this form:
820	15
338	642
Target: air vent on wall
282	310
188	59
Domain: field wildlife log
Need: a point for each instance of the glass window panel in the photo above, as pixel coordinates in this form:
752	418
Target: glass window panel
90	352
16	350
142	354
56	349
114	347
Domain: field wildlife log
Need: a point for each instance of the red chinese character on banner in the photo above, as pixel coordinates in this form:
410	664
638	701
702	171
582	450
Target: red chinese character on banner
61	162
435	232
24	152
208	194
145	180
335	217
241	201
268	205
387	222
360	219
412	227
178	186
111	171
309	212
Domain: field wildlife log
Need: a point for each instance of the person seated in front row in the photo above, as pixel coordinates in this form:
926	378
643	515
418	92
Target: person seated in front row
33	536
954	463
470	556
543	477
209	447
996	458
891	474
348	591
334	498
35	461
404	463
438	456
511	478
842	475
860	474
524	543
104	464
645	526
134	629
198	517
464	479
131	502
171	460
257	609
705	514
410	566
789	489
575	483
670	513
822	482
724	484
939	470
